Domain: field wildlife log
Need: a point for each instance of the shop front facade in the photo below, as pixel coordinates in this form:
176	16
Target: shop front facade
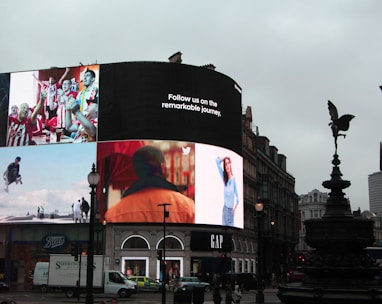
192	250
23	245
133	249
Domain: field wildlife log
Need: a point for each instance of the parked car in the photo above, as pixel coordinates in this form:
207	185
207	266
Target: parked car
146	283
4	286
246	280
188	283
295	275
8	301
378	277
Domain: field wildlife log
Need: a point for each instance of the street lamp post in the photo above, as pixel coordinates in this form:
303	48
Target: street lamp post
162	262
259	295
93	179
273	254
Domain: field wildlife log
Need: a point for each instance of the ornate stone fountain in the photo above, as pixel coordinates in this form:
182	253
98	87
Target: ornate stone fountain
338	270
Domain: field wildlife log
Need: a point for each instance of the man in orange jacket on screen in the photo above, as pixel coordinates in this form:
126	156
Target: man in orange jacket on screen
140	201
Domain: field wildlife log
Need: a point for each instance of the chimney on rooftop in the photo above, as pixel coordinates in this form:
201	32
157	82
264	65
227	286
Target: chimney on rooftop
175	58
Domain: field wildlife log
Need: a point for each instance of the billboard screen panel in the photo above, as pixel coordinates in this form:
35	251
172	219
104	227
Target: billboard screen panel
32	123
191	114
53	178
194	170
4	103
169	101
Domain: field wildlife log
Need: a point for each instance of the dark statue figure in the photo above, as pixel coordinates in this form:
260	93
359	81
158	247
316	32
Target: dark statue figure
338	124
338	269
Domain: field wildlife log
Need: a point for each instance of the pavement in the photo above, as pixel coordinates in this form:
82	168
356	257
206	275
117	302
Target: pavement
270	297
248	297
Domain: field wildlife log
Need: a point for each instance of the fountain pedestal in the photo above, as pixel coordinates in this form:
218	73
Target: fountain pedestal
338	270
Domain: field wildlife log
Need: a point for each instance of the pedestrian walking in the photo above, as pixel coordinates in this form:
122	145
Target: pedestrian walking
216	297
236	298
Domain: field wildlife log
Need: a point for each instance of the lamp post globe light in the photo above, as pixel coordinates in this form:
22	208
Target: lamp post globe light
93	179
259	295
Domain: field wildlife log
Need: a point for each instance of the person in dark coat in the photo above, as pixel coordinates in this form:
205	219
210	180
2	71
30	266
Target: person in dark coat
85	207
216	297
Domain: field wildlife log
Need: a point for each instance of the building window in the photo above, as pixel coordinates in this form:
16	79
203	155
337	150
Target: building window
135	242
253	265
135	266
172	243
240	246
264	190
247	266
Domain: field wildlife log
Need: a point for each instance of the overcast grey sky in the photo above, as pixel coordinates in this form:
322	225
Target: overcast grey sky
289	57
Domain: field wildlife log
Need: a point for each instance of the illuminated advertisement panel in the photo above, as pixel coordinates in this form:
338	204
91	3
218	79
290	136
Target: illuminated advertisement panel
4	102
145	100
52	106
53	179
188	117
194	186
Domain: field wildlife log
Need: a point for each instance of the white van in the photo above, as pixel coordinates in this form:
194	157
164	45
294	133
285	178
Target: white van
40	276
65	272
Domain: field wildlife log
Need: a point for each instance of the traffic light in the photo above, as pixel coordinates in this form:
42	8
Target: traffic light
74	250
224	263
159	255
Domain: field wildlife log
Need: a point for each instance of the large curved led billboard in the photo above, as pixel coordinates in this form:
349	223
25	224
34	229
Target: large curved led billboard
159	133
